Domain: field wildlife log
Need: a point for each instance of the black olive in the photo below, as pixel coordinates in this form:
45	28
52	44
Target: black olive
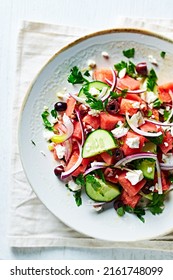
112	107
118	154
58	170
60	106
141	68
146	188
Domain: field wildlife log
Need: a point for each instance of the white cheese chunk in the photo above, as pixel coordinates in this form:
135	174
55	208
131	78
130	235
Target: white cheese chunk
136	105
73	186
133	143
134	176
105	54
168	158
120	131
91	63
122	73
47	134
152	59
137	119
94	91
149	96
94	113
60	151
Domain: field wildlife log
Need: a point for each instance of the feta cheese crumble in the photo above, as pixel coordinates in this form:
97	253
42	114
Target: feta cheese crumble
168	158
91	63
94	113
133	143
120	130
137	119
149	96
136	105
153	60
134	176
73	186
47	134
60	151
122	73
105	54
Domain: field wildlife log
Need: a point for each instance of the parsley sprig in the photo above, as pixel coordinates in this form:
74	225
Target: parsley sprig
130	68
151	80
92	101
46	122
129	53
76	76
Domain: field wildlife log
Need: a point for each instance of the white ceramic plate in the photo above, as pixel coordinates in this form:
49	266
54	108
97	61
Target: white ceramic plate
39	168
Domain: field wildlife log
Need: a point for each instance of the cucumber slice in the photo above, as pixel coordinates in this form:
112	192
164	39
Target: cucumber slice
101	191
98	142
147	167
96	85
148	195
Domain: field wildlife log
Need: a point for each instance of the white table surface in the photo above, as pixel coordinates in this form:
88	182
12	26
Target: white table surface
84	13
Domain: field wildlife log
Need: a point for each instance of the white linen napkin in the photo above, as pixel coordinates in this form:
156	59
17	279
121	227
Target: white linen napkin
31	224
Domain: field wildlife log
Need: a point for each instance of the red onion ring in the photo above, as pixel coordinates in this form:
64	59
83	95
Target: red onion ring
158	123
164	166
69	125
96	166
81	126
143	133
68	173
113	85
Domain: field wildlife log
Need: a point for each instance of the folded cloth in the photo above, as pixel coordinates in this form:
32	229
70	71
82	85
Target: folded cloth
31	223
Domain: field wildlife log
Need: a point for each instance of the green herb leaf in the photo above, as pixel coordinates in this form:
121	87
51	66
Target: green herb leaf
46	122
80	181
138	211
87	73
156	206
151	81
33	142
120	211
149	113
120	66
129	53
78	199
130	68
162	54
76	77
157	103
166	115
156	140
170	178
92	101
115	95
54	113
100	174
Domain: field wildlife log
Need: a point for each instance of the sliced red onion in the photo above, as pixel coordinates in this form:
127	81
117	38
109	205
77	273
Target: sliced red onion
95	166
68	173
128	159
113	84
158	123
81	126
142	156
68	148
137	91
79	99
164	166
69	125
171	114
143	133
159	180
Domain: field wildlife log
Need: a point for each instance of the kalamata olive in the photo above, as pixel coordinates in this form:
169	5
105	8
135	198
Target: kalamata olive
112	107
146	188
118	204
60	106
141	68
58	170
118	154
83	109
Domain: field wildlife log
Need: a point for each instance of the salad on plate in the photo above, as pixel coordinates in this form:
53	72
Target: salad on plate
112	138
